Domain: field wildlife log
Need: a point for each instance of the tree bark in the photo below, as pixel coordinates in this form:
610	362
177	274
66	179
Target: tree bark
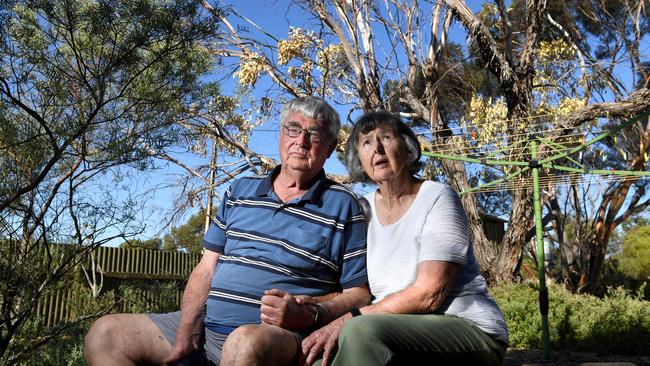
608	219
484	250
508	262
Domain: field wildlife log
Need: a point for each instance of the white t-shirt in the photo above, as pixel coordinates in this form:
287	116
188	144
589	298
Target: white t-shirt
435	227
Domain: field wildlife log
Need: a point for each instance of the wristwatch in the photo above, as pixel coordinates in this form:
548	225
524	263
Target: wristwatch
355	312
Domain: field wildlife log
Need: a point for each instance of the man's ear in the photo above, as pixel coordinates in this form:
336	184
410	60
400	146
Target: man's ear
332	148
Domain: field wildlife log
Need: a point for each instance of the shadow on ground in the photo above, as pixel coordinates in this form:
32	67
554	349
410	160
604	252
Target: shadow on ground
515	357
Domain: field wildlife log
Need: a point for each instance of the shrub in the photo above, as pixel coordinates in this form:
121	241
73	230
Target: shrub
617	323
61	344
66	348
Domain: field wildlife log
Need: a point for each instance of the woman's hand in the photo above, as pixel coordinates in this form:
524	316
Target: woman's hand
323	340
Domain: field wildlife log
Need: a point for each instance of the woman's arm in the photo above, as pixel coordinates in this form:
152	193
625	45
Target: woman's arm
432	284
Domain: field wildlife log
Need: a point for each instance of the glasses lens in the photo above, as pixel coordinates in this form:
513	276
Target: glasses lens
315	136
291	131
295	131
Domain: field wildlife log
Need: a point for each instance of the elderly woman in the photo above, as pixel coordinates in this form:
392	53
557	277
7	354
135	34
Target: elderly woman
431	304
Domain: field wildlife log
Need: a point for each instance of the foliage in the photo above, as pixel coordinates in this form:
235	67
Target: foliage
617	323
634	260
188	236
613	277
152	244
86	89
133	296
315	66
549	69
147	296
40	344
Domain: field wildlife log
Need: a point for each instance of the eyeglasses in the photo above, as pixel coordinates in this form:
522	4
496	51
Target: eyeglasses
294	131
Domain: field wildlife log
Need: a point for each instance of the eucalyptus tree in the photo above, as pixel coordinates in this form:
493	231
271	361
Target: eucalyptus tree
86	88
546	72
634	258
607	41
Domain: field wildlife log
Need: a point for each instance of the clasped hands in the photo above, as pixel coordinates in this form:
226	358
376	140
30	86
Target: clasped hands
287	311
298	312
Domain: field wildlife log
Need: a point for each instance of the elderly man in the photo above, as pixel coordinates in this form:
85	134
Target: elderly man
275	238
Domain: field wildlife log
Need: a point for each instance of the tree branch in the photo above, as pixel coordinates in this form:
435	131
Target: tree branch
497	64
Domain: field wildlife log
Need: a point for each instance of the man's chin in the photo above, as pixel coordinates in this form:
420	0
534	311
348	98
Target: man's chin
298	166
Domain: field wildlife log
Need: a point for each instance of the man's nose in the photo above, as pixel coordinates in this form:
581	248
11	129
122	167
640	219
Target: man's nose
303	138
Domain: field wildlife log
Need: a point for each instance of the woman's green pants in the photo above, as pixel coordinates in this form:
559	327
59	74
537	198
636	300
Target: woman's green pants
414	339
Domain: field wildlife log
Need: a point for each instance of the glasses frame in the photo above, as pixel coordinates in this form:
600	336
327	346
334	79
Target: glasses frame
315	136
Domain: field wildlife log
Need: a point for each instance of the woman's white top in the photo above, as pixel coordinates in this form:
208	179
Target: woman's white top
435	227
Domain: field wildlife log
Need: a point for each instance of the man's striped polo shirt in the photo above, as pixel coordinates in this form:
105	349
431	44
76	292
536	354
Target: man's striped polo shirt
313	245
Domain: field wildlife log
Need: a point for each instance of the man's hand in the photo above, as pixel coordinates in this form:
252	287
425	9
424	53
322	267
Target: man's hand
182	347
286	311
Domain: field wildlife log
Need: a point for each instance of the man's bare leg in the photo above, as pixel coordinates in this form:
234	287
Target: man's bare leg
259	345
125	339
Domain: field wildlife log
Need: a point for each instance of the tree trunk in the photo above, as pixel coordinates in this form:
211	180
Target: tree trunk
484	250
599	239
508	262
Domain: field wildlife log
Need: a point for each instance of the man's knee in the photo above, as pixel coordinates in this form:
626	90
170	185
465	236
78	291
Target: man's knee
259	345
101	339
102	332
124	339
246	341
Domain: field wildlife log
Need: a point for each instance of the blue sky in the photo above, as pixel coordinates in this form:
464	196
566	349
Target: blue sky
274	17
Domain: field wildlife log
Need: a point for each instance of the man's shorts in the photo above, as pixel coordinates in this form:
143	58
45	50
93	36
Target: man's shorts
211	342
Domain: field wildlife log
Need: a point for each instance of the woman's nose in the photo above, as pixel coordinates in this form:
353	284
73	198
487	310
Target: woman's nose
379	147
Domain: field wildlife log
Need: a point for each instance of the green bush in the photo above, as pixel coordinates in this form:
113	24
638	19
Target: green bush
66	348
618	323
150	296
64	341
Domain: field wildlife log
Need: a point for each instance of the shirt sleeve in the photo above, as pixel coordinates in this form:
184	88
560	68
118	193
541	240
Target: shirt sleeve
353	272
446	233
215	238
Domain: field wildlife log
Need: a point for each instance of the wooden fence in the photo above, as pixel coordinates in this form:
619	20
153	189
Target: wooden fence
118	265
142	263
54	307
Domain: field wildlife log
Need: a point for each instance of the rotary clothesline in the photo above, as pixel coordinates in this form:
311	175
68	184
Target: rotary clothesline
533	164
555	180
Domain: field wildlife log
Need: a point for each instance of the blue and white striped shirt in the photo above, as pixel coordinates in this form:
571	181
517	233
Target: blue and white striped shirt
313	245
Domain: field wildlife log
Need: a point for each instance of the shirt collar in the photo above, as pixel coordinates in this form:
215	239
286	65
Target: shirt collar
313	194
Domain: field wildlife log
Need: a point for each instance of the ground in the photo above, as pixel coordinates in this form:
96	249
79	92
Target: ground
516	357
